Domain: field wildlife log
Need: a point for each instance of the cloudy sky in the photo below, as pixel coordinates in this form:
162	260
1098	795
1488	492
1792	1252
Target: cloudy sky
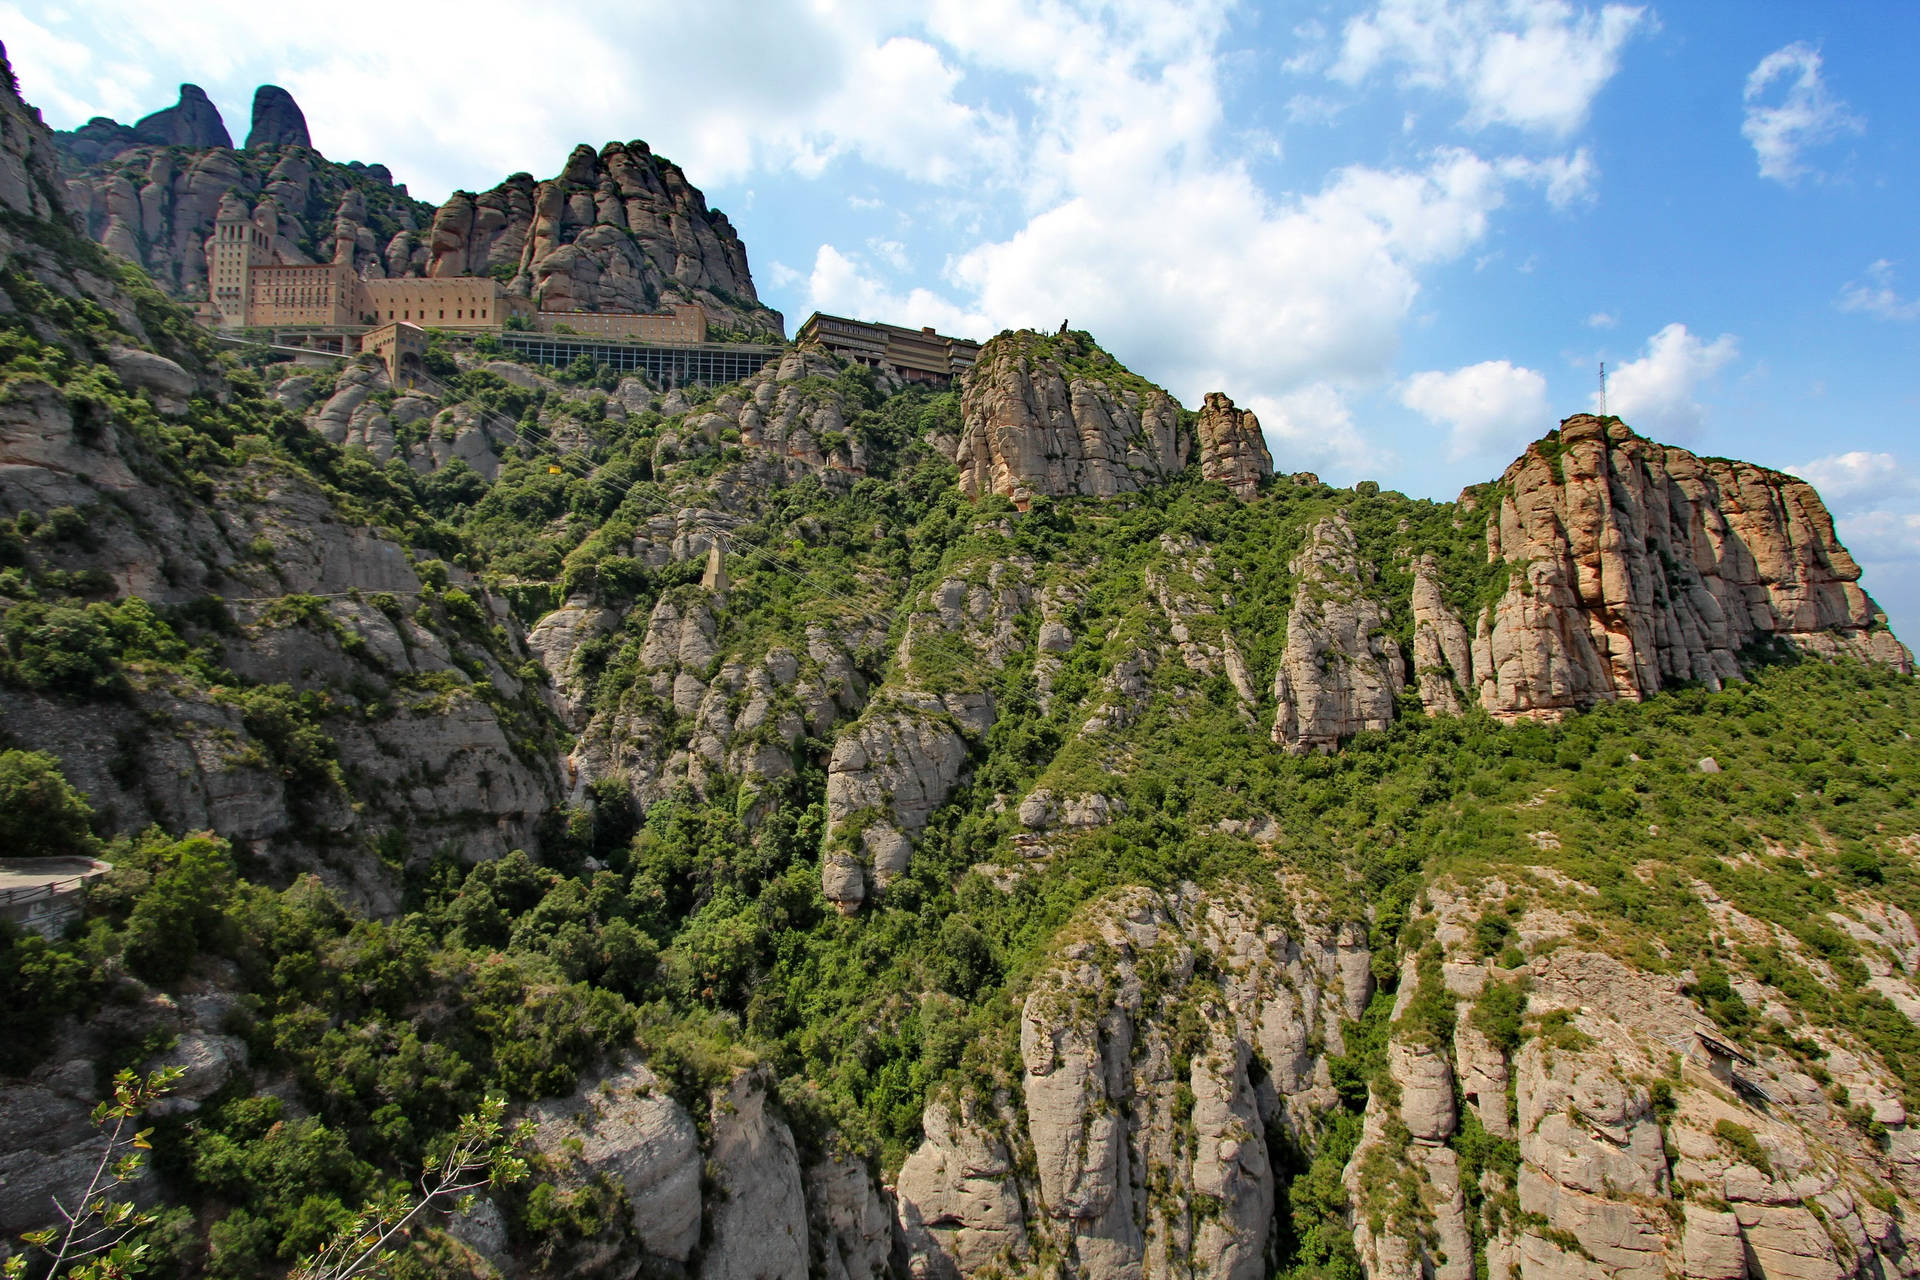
1406	232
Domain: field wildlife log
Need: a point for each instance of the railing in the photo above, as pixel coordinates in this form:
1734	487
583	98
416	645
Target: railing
50	889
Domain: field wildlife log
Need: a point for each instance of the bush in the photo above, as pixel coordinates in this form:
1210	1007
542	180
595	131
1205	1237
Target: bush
41	815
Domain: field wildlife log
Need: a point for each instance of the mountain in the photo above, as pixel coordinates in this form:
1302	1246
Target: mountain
876	830
617	230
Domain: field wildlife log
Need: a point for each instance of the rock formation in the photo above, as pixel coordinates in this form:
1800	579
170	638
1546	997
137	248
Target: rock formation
1233	452
1341	671
620	229
156	207
1150	1146
1638	1154
277	120
29	167
1632	565
1050	417
193	121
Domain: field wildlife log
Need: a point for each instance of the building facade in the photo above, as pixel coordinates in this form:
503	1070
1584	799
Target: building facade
400	346
914	355
684	322
446	302
328	295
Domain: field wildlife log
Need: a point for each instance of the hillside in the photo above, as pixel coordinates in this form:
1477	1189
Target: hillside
873	830
617	230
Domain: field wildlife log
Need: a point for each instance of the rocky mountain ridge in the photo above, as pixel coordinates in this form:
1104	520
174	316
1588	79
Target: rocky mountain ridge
617	230
1003	831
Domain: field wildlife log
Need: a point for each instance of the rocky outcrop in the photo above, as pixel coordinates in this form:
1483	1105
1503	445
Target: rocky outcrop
277	121
156	206
1148	1121
624	1126
1634	1150
1233	452
193	121
1051	417
29	167
620	229
1340	671
849	1221
760	1220
1442	649
1632	565
905	755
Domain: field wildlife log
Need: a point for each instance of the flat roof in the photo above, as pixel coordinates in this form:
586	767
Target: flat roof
34	873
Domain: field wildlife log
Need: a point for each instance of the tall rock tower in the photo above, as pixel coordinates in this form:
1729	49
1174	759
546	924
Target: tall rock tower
239	244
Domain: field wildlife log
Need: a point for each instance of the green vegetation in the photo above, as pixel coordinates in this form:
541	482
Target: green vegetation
694	932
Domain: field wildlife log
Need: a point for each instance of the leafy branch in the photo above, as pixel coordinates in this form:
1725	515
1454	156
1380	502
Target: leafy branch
482	1152
91	1240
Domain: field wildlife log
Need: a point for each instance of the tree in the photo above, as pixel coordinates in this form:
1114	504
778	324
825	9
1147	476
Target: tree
481	1153
40	814
91	1242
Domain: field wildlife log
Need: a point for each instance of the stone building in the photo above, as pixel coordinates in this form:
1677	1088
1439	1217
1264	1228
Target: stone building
915	355
327	295
401	347
446	302
685	322
248	286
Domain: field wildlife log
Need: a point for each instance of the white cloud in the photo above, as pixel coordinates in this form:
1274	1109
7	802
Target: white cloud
1655	394
1805	117
1875	296
1534	64
804	83
1602	320
847	285
1313	427
1875	501
1861	478
1490	407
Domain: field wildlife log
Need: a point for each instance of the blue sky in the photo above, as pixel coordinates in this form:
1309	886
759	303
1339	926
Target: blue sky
1405	232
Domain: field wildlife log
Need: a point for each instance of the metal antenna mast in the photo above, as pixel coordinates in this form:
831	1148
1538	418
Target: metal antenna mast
1603	388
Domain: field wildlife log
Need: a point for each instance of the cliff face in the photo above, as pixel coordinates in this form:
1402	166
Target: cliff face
616	230
359	691
1636	1145
1051	417
1632	565
1232	450
193	121
155	206
1154	1091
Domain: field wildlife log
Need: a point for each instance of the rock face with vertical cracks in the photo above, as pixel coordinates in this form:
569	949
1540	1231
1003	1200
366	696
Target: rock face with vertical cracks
620	229
1233	452
1340	671
1147	1115
1632	565
1051	417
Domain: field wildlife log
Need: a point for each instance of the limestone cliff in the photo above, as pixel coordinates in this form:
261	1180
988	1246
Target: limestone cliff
1640	1141
347	684
1051	417
193	121
617	230
1340	671
156	206
1233	452
620	229
1162	1053
1632	565
277	120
